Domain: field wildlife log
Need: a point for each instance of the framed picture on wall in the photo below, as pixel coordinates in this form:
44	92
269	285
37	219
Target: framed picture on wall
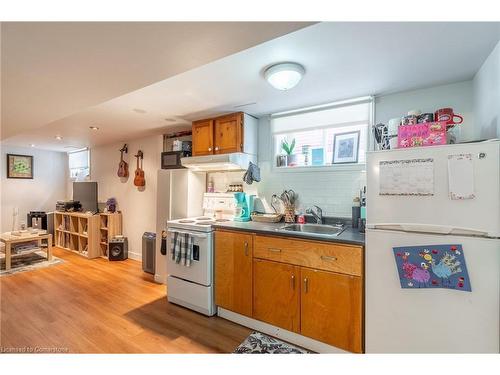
19	166
345	147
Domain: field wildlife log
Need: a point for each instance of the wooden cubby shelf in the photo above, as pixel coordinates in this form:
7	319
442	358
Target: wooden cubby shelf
110	225
86	235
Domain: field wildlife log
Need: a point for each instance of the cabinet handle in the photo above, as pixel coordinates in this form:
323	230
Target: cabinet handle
246	248
216	148
274	250
328	257
210	149
293	282
306	285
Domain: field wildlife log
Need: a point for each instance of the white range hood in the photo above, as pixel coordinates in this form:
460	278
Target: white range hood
223	162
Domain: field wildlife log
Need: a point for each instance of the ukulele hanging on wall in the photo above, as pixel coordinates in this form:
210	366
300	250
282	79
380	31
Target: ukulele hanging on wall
123	166
139	173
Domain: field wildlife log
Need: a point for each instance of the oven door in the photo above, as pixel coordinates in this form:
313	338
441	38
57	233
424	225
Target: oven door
200	270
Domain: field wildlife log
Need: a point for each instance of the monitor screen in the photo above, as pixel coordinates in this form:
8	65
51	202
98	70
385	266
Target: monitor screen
86	193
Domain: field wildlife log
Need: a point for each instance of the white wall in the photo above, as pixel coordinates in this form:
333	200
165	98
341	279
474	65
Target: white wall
50	173
487	97
458	96
138	207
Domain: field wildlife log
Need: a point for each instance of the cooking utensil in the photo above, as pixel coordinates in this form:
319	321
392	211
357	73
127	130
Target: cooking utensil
288	197
275	202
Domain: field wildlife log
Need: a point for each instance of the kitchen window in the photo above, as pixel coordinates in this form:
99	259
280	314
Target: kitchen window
79	164
305	138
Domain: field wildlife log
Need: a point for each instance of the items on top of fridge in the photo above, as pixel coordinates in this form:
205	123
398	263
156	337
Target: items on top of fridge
424	134
418	129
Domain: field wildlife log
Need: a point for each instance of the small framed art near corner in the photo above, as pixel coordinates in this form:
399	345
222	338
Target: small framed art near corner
19	166
346	148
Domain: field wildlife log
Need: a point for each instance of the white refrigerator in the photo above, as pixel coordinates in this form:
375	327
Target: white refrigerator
179	195
423	197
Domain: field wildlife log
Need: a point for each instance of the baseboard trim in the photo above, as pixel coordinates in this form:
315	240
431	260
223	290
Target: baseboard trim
135	256
283	334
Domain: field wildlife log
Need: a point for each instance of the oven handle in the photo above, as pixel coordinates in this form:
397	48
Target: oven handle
186	232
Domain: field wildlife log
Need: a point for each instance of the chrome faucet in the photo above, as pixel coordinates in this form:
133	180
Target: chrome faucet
317	213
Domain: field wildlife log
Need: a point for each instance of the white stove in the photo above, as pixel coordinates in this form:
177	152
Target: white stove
192	286
200	223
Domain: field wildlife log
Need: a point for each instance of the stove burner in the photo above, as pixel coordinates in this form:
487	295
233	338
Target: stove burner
186	221
203	218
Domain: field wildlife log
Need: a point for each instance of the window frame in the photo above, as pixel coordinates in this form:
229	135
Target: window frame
88	160
327	167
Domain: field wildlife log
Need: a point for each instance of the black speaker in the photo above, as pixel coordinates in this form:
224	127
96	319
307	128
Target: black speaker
118	249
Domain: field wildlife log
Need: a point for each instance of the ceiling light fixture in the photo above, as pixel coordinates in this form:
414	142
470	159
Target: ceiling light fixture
284	76
93	128
58	137
32	145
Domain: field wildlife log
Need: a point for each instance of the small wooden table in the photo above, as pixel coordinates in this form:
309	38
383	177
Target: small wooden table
9	239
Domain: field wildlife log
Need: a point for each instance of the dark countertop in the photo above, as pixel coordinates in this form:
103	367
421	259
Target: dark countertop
349	235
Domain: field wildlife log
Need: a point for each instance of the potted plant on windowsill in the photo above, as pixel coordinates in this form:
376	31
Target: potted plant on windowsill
291	158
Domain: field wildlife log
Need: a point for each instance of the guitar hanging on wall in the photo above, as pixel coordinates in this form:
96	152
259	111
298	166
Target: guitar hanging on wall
123	166
139	173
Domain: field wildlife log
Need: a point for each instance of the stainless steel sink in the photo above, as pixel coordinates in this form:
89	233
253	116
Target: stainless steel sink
318	230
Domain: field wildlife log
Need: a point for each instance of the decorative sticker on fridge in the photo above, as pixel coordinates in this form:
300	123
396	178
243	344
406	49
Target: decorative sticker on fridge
432	266
407	177
461	176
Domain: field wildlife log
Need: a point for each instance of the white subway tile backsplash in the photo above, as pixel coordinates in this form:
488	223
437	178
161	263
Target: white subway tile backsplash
332	191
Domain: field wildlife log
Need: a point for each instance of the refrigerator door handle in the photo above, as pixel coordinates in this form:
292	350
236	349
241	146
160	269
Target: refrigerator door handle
427	228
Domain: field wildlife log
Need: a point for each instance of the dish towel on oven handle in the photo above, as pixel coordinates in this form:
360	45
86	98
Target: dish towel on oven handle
182	248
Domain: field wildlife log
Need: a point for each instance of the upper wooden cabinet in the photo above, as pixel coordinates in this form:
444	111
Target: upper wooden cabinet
203	137
233	271
236	132
276	294
228	134
331	308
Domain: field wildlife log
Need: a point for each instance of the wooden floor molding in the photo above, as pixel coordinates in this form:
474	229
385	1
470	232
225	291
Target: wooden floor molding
97	306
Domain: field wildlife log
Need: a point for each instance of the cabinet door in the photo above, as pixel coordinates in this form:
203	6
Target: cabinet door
331	308
276	294
229	133
233	271
203	137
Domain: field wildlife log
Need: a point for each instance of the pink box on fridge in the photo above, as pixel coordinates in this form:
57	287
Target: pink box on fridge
425	134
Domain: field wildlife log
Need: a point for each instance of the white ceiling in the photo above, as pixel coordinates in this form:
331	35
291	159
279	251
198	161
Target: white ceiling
51	70
342	60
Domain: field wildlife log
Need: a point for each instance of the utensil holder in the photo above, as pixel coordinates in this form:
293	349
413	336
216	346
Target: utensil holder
289	214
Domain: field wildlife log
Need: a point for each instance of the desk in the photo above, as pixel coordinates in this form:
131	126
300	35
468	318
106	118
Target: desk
9	239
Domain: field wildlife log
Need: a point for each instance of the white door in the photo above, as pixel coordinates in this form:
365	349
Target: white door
481	213
431	320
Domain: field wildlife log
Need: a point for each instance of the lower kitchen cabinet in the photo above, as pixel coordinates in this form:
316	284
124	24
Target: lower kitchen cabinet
276	294
233	271
331	308
312	288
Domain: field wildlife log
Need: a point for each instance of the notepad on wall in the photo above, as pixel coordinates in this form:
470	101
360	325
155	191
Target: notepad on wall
461	176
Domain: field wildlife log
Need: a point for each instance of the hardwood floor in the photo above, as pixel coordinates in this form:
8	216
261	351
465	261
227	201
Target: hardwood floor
96	306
